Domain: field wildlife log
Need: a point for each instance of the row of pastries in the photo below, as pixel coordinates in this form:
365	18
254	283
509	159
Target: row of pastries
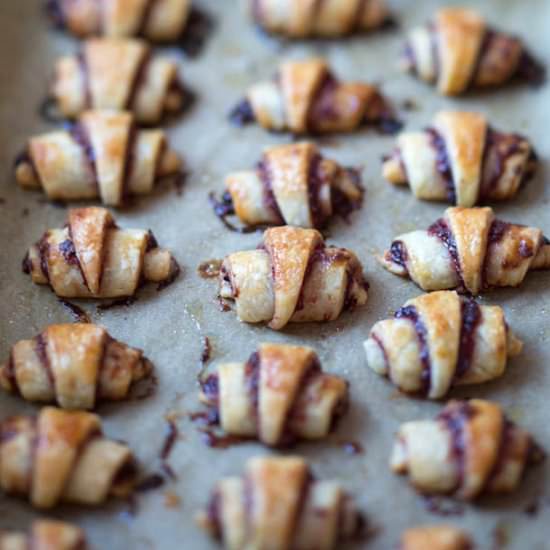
114	90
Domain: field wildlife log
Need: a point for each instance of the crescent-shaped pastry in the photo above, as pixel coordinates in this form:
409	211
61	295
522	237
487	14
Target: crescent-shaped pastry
469	449
104	155
292	185
119	74
329	18
461	159
470	250
74	365
91	257
440	340
278	504
458	51
155	20
61	456
278	396
435	537
305	97
292	277
45	535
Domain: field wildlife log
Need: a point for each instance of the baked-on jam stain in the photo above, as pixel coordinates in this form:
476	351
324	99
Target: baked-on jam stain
353	448
54	12
119	302
442	506
442	163
224	208
209	269
471	317
442	231
170	440
411	313
79	315
213	513
206	351
454	418
242	114
49	112
200	25
150	483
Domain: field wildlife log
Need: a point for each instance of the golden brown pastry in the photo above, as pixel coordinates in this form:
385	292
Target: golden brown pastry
45	535
469	449
102	156
461	159
435	537
119	74
292	277
292	185
155	20
73	365
458	51
329	18
91	257
440	340
306	98
60	456
470	250
278	504
279	395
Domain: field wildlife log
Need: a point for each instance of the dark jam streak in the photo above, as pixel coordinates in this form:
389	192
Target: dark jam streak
442	231
270	202
442	163
410	313
471	317
342	205
455	417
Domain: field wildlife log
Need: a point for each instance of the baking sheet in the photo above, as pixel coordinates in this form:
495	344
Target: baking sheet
170	325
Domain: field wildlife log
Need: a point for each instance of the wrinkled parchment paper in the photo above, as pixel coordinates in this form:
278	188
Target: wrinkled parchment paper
170	325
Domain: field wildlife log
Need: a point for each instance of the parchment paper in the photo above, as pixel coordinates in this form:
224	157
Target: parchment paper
169	325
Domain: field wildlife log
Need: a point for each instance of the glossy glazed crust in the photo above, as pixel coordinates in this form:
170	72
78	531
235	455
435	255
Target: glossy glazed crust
293	277
61	456
479	348
435	537
117	74
92	258
93	160
484	164
307	98
469	449
307	18
73	365
303	183
458	51
45	535
489	253
293	399
277	504
157	20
